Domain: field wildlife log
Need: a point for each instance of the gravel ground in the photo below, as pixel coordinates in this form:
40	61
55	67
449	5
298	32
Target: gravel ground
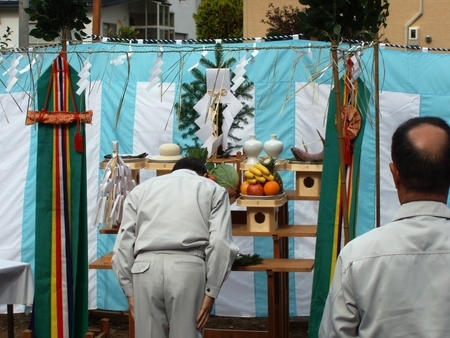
119	326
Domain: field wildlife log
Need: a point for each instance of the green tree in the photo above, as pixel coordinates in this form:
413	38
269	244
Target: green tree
57	19
282	20
219	19
351	19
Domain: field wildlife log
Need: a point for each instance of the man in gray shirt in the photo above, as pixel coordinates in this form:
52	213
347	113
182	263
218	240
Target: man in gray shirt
174	250
393	281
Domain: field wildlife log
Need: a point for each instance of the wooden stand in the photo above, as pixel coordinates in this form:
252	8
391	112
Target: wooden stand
307	179
262	215
162	168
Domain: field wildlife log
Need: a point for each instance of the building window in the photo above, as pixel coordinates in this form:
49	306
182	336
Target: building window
109	29
154	21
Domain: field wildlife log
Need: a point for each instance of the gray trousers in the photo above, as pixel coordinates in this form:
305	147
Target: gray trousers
168	288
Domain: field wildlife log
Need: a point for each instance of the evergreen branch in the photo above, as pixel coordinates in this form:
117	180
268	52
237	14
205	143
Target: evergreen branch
247	259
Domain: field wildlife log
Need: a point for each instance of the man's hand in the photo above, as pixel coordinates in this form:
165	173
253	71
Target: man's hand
203	316
131	306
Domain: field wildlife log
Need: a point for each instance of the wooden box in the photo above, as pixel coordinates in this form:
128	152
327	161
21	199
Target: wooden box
307	179
161	168
262	214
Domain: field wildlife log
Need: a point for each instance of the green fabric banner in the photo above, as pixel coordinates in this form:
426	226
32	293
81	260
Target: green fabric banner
61	266
329	225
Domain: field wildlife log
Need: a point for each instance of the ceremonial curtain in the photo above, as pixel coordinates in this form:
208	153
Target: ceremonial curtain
60	308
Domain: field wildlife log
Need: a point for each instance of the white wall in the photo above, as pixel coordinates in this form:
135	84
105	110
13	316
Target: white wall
9	18
184	22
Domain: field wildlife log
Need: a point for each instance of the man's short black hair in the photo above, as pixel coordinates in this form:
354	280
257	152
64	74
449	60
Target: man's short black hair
421	170
191	163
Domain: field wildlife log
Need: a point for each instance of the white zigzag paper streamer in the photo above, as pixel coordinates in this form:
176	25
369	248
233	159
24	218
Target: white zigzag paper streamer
83	75
218	92
239	72
255	51
156	71
121	58
12	72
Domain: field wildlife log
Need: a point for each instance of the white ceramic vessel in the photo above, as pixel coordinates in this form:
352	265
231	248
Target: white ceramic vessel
273	147
252	148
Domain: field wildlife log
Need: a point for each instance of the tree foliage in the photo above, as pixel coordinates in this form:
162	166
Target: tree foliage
6	37
219	19
58	18
282	20
351	19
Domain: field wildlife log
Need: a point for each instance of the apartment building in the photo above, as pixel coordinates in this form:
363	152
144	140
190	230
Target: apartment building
411	22
163	19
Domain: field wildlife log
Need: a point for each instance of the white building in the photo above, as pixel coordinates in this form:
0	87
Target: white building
164	19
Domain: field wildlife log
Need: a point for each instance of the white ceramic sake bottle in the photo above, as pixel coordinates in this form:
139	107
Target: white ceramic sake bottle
273	147
252	148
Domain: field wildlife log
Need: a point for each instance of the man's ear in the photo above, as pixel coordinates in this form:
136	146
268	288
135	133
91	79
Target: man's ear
395	175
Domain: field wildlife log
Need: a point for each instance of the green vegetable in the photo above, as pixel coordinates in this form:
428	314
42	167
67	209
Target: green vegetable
226	175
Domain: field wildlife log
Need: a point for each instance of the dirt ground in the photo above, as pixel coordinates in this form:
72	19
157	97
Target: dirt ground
119	327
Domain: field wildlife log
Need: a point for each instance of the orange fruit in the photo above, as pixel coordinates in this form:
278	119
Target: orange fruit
271	188
244	186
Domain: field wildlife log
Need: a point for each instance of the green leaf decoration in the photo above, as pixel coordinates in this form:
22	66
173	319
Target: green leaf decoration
247	259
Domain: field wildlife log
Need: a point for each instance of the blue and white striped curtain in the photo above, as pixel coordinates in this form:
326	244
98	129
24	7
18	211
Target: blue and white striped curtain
292	84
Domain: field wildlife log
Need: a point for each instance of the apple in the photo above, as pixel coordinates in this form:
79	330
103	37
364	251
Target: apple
255	189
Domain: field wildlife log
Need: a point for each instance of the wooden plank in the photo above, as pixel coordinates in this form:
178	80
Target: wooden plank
280	265
102	263
109	231
159	166
292	195
275	265
27	334
305	167
133	164
282	231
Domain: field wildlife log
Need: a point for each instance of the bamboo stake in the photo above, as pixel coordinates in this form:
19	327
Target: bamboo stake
342	170
377	128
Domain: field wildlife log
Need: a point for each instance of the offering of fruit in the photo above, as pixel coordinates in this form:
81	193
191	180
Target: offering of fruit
256	189
263	179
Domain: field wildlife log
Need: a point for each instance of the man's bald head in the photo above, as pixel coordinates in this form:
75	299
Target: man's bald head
421	152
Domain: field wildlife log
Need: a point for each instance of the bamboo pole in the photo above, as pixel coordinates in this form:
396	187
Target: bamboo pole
342	171
377	127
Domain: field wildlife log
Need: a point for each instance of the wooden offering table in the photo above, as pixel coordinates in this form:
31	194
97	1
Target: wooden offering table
261	217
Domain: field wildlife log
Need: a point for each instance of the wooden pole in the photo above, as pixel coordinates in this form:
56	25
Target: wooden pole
376	50
24	22
96	17
342	171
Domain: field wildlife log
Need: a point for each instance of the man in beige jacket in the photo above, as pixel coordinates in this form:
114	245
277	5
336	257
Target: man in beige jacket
174	250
